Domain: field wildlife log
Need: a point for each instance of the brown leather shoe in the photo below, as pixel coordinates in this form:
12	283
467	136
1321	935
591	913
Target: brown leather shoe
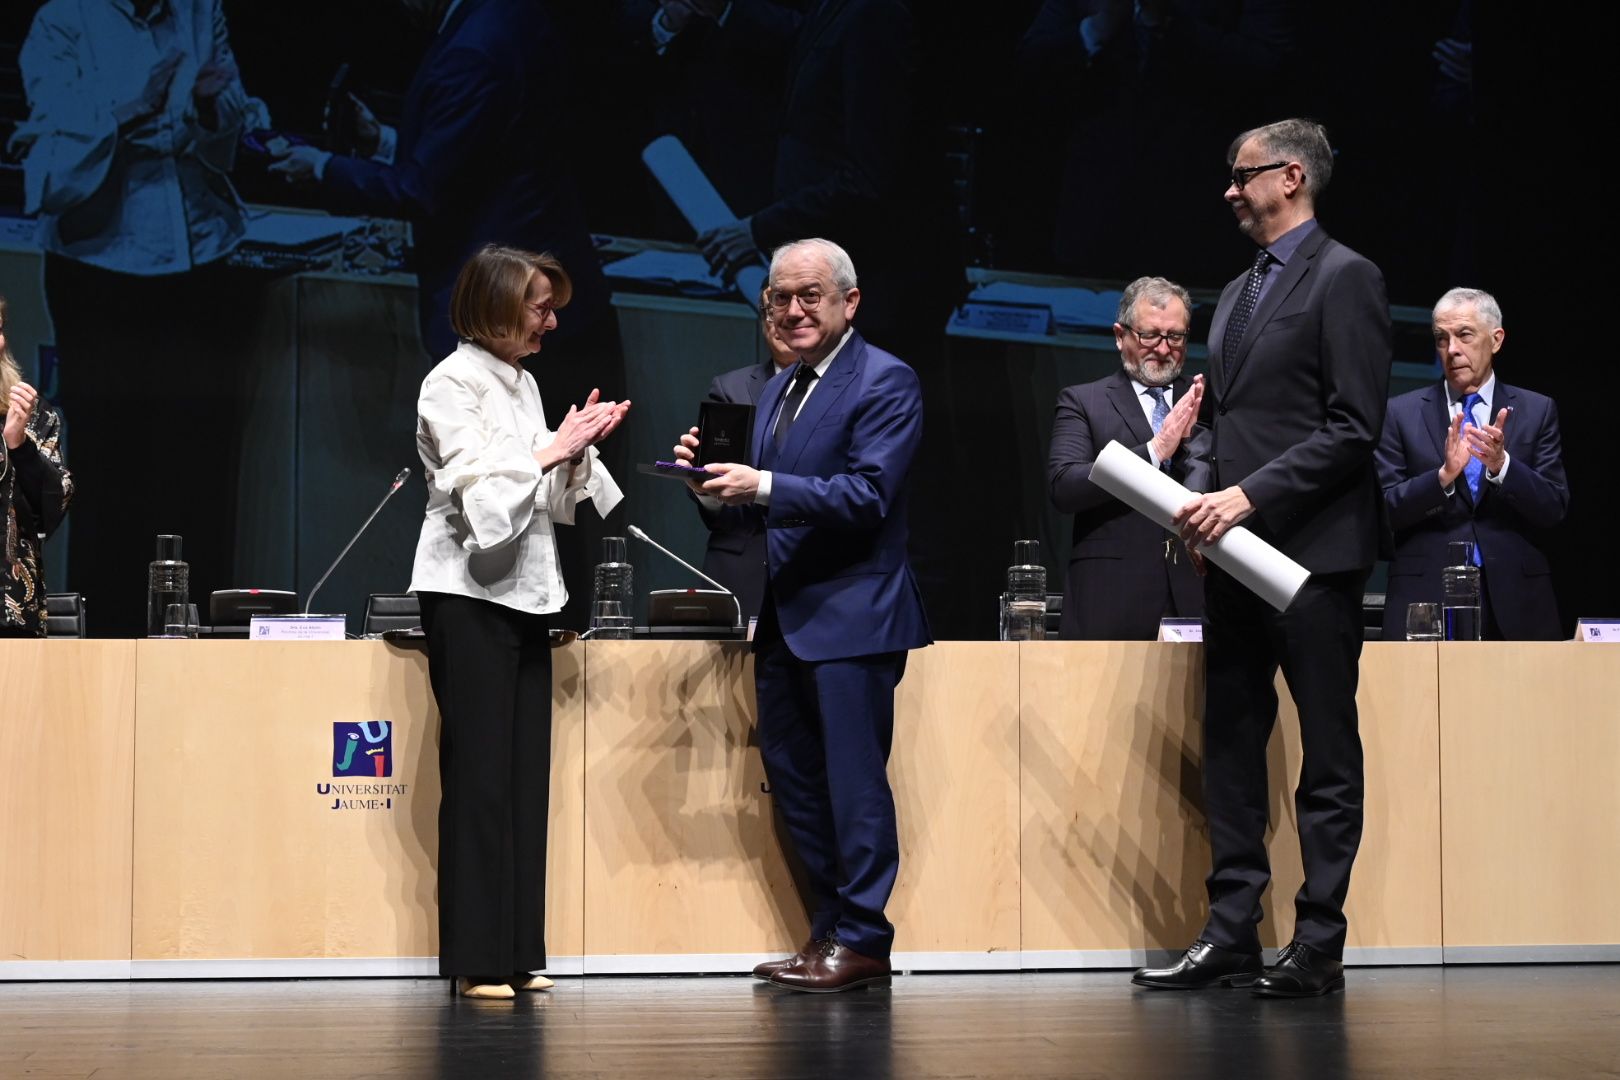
831	968
771	967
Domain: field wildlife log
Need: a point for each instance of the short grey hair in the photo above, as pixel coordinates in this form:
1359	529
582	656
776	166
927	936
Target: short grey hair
1157	291
1304	141
1485	305
839	264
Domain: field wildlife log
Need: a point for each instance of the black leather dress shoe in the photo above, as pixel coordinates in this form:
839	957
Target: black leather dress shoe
771	967
1204	965
831	968
1300	971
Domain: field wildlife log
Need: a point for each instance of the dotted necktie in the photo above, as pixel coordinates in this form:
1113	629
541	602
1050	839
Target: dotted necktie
1238	321
795	398
1161	408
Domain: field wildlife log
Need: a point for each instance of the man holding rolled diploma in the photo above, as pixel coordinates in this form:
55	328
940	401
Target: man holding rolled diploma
1299	373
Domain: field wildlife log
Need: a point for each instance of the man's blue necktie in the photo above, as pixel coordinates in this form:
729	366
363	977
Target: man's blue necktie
1474	471
1161	408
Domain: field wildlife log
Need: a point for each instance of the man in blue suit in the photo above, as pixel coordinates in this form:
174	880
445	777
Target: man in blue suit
835	441
479	156
1472	458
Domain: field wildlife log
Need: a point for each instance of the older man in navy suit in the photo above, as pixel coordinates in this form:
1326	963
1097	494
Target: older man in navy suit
1472	458
835	443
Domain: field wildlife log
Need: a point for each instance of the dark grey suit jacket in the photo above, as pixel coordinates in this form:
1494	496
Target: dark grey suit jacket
735	554
1297	418
1121	579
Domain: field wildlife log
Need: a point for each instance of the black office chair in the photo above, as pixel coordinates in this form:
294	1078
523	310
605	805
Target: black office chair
391	611
1372	616
64	615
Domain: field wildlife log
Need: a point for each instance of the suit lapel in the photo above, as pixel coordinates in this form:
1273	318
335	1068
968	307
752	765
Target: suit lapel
831	387
1437	418
1287	281
1122	394
765	414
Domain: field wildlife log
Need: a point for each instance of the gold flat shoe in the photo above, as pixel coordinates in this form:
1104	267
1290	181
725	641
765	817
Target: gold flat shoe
533	982
485	991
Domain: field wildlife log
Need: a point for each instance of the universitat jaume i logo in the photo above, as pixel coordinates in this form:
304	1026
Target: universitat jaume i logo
363	749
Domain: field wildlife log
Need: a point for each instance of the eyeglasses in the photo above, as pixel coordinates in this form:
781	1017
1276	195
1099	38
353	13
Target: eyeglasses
545	311
1242	176
809	300
1151	338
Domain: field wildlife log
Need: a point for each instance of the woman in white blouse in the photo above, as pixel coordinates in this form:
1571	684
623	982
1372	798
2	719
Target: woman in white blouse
487	575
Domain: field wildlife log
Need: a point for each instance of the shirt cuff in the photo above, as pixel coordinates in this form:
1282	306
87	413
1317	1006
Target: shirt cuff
1499	477
387	143
320	166
762	497
1153	455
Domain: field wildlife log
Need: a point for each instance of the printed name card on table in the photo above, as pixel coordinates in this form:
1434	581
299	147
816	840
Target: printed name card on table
1181	629
296	628
1600	630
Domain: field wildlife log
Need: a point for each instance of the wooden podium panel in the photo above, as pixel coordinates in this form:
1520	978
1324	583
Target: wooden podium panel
682	855
1530	752
249	847
67	739
1115	844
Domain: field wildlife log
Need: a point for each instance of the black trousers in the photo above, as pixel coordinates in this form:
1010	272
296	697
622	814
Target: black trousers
491	673
1317	643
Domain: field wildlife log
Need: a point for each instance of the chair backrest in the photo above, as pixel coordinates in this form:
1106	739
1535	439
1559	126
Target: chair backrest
64	615
391	611
1372	616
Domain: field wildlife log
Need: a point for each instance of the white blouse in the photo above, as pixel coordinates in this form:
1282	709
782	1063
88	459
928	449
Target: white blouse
490	510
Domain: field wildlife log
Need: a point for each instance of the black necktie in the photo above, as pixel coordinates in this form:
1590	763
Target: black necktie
802	379
1238	322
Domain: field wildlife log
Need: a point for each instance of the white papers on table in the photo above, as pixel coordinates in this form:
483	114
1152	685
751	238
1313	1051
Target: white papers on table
1261	568
700	204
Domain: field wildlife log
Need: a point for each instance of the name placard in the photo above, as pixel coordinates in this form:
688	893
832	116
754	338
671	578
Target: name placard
1600	630
1181	629
296	628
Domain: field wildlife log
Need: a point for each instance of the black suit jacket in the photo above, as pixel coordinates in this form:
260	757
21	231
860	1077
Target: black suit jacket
735	553
1295	419
1121	579
482	157
1510	523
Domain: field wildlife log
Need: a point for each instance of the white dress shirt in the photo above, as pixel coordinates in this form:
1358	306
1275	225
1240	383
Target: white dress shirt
490	511
1481	416
154	198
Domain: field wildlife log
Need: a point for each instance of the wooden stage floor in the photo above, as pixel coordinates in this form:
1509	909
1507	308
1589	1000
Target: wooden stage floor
1455	1022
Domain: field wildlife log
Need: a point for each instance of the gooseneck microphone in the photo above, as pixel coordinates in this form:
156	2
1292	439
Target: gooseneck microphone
399	482
645	539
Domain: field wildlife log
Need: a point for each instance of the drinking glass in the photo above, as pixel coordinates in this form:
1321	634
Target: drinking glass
1423	622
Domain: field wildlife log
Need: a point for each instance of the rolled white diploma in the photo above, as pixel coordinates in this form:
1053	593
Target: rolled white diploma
1262	569
666	157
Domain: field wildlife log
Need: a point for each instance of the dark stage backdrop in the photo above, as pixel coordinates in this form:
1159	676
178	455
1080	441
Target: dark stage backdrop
260	402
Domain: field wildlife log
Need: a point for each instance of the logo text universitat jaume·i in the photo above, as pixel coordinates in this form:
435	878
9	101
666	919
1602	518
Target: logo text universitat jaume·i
363	751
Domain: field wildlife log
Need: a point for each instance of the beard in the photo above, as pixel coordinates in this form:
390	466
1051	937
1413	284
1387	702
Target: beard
1154	372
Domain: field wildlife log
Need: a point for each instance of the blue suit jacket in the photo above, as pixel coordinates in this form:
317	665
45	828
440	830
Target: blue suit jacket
481	158
836	539
1509	523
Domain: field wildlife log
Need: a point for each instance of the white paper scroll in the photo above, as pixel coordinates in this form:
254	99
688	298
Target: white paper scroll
1261	568
697	200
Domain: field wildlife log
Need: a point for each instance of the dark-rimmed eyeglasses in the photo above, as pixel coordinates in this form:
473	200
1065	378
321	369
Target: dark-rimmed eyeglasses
1242	176
778	300
1150	338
